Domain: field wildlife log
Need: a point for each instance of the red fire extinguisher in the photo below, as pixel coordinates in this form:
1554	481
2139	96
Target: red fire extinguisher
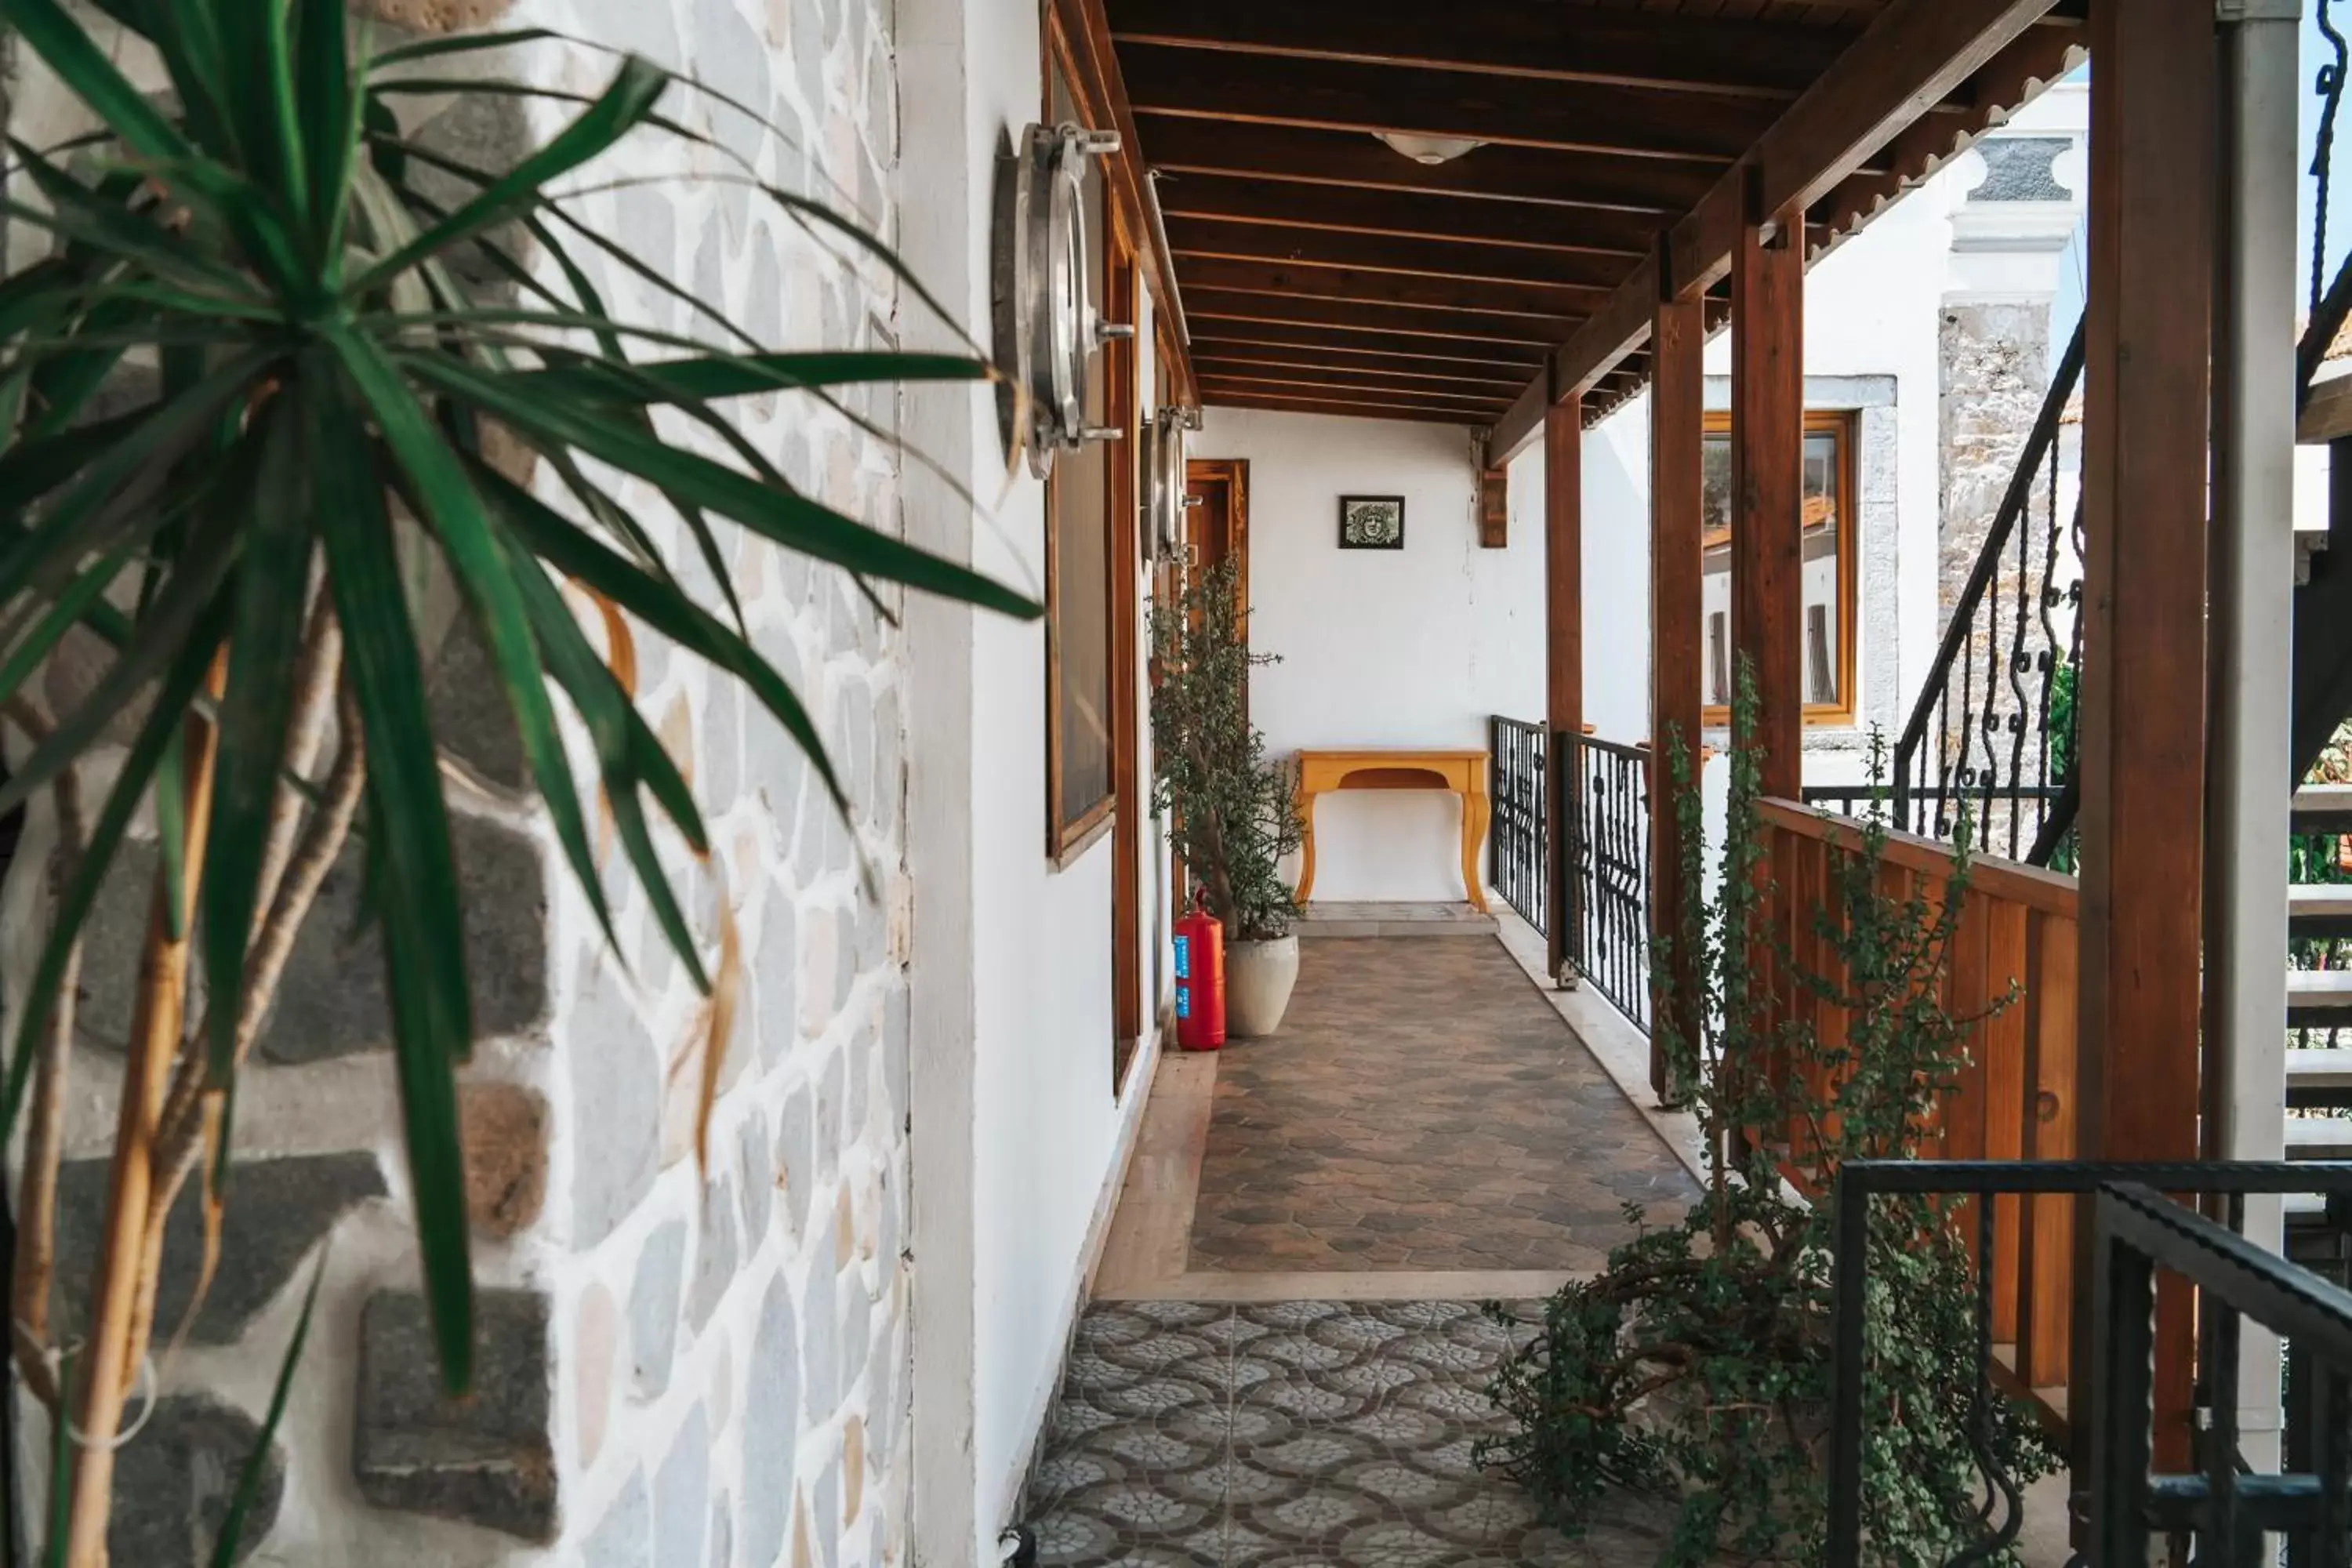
1199	980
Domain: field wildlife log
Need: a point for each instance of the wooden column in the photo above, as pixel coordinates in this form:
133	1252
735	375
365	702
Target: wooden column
1563	654
1768	527
1677	424
2146	424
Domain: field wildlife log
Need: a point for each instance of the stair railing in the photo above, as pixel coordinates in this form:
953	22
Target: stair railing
1991	735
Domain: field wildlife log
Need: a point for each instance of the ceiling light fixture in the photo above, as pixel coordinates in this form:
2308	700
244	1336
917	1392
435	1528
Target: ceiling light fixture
1429	149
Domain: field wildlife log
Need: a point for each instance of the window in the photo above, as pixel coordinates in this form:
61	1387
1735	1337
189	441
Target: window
1079	582
1830	553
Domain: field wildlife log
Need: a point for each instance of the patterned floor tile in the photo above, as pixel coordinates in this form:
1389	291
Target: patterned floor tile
1341	1436
1421	1108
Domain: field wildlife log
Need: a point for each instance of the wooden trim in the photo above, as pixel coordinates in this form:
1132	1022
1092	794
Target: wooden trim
2011	881
1845	425
1068	832
1123	362
1084	835
1077	33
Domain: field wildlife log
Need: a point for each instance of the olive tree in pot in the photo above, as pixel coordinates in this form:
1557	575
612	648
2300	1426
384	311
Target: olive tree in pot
1234	810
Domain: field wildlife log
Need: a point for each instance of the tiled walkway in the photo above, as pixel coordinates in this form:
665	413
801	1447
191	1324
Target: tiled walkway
1302	1435
1421	1108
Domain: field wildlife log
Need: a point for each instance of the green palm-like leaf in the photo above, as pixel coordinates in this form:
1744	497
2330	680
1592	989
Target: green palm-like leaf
329	402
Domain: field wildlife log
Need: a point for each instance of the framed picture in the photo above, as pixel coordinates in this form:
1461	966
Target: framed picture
1371	522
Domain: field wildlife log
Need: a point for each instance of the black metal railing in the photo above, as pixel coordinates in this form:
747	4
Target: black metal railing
1992	732
1518	850
1607	865
1863	800
2119	1500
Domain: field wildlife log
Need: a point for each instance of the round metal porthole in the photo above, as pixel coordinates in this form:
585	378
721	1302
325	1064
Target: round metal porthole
1047	330
1164	503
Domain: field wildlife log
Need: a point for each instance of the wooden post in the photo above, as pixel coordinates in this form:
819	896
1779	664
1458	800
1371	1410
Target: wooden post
1563	657
1677	429
1768	453
2146	424
1494	509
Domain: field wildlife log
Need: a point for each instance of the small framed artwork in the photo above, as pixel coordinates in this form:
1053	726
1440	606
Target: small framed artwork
1371	522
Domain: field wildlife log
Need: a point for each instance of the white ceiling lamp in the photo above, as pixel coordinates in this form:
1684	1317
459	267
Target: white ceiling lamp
1429	149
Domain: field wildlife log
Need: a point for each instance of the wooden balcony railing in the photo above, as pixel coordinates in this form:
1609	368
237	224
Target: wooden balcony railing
2014	949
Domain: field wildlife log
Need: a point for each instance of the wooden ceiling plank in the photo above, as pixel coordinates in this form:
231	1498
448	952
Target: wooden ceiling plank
1387	253
1494	381
1483	409
1552	42
1537	226
1345	95
1554	303
1481	389
1204	305
1916	54
1652	185
1512	360
1339	409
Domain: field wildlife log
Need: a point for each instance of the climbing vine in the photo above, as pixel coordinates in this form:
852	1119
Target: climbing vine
1696	1365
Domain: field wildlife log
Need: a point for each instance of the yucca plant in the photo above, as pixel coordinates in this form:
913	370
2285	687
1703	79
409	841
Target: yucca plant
329	416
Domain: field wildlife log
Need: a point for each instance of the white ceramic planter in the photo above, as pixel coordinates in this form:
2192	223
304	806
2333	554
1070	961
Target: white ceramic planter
1258	978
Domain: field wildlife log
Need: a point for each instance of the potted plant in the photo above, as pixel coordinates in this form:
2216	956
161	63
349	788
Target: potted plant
1234	811
259	427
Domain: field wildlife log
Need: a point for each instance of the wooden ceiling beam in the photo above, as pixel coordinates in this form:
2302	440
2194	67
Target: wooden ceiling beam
1563	43
1468	381
1340	408
1535	226
1554	306
1381	253
1516	359
2040	56
1915	56
1652	185
1503	111
1502	378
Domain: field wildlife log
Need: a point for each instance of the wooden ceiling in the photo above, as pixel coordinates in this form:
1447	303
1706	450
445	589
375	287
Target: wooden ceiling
1323	272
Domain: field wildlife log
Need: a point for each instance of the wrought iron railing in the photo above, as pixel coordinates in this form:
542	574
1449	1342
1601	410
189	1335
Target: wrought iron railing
1863	800
1608	869
2121	1501
1519	851
1992	730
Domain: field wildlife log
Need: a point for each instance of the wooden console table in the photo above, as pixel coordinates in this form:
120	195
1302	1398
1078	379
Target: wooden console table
1460	773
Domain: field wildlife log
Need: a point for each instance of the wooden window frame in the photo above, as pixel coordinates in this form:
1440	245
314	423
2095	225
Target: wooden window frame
1845	423
1069	836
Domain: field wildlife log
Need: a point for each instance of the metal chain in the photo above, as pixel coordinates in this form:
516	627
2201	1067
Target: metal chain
2330	89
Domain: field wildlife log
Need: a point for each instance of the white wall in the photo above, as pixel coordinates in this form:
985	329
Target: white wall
1405	649
1017	1137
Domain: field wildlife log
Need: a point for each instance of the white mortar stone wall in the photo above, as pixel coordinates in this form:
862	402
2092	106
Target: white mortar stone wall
683	1366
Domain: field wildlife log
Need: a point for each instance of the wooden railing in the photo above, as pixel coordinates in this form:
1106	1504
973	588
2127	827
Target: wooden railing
2015	948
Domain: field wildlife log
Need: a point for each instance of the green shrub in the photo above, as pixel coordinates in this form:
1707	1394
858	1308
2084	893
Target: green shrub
1696	1365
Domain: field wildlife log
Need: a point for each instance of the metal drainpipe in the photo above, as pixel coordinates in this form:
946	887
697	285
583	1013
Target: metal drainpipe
2251	614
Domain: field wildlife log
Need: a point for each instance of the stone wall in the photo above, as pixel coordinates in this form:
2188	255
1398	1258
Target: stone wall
683	1366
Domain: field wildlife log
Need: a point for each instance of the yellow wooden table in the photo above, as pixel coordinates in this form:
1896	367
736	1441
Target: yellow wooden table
1462	773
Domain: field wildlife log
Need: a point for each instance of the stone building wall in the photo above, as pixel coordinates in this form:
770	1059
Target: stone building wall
682	1365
